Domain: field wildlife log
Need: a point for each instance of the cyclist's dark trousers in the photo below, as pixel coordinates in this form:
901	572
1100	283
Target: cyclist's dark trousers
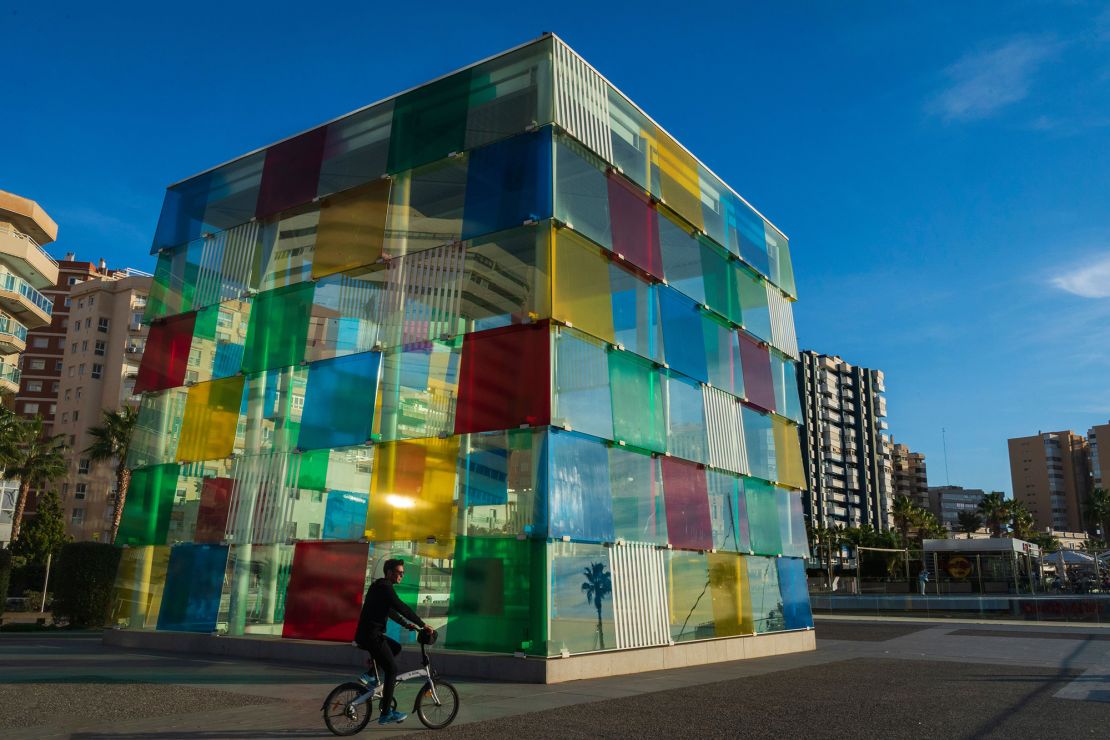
383	650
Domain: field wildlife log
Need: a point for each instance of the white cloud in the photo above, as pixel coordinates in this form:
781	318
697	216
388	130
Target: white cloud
1090	280
987	81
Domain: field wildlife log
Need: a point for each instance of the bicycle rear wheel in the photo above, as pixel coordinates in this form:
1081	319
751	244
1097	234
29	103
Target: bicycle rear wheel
340	717
433	715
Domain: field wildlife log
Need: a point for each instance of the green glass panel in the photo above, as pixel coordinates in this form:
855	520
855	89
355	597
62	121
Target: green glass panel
278	328
689	597
782	267
313	472
157	428
498	595
637	402
429	122
146	514
750	293
792	527
581	599
763	516
763	586
639	512
759	439
716	269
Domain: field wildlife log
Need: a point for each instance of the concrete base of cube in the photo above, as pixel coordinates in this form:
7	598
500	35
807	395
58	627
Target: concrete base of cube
492	666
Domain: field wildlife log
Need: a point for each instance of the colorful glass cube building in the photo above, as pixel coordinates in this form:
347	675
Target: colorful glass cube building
501	325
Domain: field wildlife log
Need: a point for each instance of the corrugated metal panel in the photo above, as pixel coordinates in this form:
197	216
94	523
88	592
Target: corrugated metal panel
639	595
725	430
582	101
782	321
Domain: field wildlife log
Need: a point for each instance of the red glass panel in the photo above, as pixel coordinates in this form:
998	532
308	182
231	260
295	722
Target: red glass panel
325	590
756	362
291	171
215	498
634	225
166	354
505	379
687	501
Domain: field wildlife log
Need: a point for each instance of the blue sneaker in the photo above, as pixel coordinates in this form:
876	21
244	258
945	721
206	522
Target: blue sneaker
369	680
392	718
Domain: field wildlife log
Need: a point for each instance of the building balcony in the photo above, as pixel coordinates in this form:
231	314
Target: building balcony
24	257
22	301
13	336
9	378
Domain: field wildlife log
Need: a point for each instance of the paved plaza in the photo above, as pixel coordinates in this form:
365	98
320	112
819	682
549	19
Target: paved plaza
888	679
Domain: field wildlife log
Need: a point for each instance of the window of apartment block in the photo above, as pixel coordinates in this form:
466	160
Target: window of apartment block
313	531
139	302
72	281
38	364
65	417
191	376
88	322
81	304
79	490
69	393
83	466
53	409
54	387
74	347
85	346
100	347
97	371
76	415
30	408
103	324
58	365
78	393
68	301
72	440
40	342
81	369
34	386
77	517
136	319
92	301
77	325
65	490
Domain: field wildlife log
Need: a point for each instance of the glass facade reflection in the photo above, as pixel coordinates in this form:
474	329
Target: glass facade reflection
520	339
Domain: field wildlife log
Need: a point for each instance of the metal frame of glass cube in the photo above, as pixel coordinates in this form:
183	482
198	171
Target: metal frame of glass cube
501	325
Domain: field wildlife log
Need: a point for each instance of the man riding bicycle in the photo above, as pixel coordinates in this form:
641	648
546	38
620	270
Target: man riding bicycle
380	605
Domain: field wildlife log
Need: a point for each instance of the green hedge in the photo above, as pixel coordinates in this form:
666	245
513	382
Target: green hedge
82	582
5	575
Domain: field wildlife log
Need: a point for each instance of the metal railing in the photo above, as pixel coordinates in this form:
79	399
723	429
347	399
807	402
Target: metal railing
6	228
16	284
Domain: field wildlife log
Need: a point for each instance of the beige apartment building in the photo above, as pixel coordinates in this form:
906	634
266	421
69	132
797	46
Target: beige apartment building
1098	445
25	270
1050	472
910	476
104	342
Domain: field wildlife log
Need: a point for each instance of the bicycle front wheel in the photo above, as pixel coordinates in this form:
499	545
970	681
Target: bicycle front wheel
342	718
435	715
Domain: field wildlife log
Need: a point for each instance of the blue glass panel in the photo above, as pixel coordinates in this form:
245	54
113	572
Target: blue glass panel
795	594
683	341
182	216
763	588
635	313
486	477
759	439
581	502
508	183
639	511
345	515
746	227
582	399
339	401
726	512
686	420
792	526
191	598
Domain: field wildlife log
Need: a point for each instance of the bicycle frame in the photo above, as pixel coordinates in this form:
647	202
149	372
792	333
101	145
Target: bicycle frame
426	672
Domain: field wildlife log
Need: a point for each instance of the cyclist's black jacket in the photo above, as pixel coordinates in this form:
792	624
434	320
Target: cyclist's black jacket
380	604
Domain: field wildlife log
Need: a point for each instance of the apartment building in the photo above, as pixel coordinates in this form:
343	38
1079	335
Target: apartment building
104	342
909	473
846	450
25	270
1098	449
42	360
1051	475
948	502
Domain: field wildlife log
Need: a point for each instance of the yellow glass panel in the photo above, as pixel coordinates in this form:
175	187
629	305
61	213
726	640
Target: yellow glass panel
137	594
678	178
788	454
211	416
691	609
580	292
728	585
412	491
352	228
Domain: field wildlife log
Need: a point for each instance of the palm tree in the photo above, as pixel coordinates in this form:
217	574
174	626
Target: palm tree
32	457
1097	511
598	586
906	516
111	441
1021	520
970	522
995	510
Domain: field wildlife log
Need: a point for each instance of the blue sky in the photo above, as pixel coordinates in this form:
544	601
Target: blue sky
942	169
